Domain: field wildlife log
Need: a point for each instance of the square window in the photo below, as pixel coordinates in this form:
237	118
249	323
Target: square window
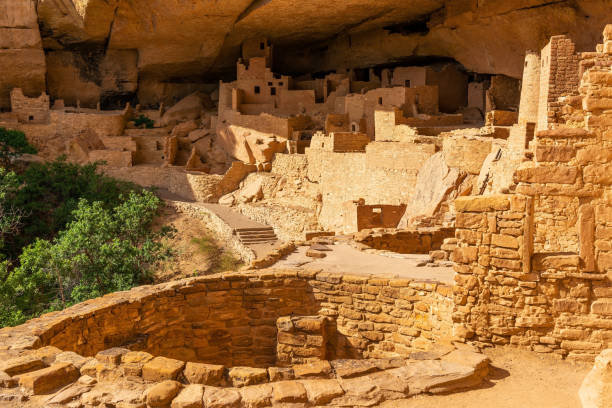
280	83
257	90
31	118
270	83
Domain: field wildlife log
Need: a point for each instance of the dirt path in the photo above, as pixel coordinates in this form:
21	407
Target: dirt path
519	379
189	243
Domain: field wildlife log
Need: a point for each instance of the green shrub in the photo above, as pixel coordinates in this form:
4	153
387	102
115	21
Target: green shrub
101	250
143	120
10	215
13	143
49	194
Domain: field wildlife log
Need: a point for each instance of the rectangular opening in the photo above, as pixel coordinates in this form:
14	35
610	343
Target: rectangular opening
262	46
407	83
257	90
380	100
273	91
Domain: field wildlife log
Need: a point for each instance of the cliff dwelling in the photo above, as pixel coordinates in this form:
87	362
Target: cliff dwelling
398	204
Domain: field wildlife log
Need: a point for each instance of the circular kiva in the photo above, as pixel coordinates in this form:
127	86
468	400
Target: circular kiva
228	340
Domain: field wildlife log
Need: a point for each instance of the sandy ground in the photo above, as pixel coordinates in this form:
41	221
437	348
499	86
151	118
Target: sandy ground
518	379
344	258
189	260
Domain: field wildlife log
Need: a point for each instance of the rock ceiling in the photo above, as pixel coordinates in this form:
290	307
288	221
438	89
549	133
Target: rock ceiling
178	38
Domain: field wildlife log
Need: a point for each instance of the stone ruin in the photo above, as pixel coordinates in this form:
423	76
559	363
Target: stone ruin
510	187
267	338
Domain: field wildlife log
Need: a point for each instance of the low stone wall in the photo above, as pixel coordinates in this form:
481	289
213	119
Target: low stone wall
421	241
289	223
214	222
231	319
189	185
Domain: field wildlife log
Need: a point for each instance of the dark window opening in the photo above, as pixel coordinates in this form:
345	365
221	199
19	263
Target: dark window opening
270	84
262	46
353	128
380	100
257	90
280	83
407	83
31	118
272	91
276	76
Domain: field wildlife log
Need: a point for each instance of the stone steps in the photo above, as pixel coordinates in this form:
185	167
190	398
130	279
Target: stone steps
249	236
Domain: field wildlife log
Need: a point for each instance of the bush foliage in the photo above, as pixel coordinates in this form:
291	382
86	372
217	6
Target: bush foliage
142	120
13	143
68	234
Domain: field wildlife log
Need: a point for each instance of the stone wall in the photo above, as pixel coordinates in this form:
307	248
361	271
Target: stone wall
385	174
231	319
189	185
30	110
558	75
421	241
533	267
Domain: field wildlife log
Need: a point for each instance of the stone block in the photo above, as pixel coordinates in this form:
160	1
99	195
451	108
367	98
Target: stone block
280	374
162	368
207	374
554	153
23	364
596	389
505	241
111	356
289	392
482	203
242	376
221	398
566	305
598	174
49	379
602	307
161	395
71	357
465	255
542	262
190	397
563	133
322	392
604	261
547	174
594	154
320	368
315	254
257	395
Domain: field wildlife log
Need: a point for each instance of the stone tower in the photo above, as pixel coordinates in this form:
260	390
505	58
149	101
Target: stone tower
530	91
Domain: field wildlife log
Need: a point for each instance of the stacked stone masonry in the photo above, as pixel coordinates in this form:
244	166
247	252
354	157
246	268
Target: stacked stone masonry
243	340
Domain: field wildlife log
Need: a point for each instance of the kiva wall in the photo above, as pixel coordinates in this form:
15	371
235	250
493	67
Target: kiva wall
231	319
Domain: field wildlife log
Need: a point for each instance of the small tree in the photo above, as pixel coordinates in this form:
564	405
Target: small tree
13	143
100	251
10	215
